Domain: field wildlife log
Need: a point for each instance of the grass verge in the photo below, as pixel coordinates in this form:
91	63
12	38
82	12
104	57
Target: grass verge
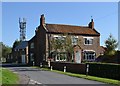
104	80
8	77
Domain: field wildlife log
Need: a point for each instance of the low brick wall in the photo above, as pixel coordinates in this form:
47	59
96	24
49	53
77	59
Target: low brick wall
70	67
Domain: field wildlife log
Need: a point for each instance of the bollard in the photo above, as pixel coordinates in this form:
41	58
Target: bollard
51	68
87	70
48	63
41	65
64	68
33	63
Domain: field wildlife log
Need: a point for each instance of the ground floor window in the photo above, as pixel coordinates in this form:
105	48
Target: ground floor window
31	57
59	56
89	55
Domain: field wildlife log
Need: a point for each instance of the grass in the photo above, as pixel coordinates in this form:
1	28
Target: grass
8	77
0	76
104	80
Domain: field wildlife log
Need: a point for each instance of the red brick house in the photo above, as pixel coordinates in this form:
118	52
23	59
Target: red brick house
88	49
20	53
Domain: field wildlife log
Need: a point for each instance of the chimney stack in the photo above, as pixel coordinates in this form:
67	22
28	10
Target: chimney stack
42	20
91	24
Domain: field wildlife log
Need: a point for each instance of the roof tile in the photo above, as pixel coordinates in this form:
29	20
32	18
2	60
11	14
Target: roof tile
59	28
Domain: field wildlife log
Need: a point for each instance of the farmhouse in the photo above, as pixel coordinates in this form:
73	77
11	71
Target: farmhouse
84	41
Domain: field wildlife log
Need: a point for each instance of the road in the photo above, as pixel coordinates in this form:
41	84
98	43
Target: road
48	77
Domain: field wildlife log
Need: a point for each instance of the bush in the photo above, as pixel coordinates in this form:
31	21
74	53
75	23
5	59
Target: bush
109	58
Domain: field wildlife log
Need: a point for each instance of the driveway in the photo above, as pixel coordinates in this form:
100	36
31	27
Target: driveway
47	77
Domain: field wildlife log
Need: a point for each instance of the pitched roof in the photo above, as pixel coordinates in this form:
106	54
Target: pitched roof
59	28
22	45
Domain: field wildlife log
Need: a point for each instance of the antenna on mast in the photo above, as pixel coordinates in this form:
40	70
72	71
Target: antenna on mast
22	26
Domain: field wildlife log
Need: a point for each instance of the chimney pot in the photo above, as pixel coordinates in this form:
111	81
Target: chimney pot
91	24
42	20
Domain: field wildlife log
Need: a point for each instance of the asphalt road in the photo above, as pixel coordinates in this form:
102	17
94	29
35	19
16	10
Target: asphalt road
48	77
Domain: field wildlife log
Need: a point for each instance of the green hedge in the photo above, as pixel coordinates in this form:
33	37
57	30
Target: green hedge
105	70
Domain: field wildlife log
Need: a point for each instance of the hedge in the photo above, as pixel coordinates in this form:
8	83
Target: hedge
107	70
104	70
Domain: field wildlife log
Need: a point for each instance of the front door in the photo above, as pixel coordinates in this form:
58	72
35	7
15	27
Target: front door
23	59
78	56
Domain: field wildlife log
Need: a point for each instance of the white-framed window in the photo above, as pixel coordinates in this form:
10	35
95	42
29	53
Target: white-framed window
89	55
74	40
58	56
22	49
61	57
32	45
88	40
59	37
31	57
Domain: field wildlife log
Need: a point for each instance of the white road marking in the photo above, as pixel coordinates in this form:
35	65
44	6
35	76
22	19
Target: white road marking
34	82
15	72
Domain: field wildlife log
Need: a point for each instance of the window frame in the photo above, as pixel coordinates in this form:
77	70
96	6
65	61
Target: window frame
74	40
89	40
88	56
32	45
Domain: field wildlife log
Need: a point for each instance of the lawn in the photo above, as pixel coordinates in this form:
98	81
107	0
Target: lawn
8	77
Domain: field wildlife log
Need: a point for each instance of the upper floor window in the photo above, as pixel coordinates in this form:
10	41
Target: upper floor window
88	41
59	38
75	40
32	45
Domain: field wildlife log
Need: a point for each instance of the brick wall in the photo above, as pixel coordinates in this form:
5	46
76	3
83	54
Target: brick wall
70	67
40	45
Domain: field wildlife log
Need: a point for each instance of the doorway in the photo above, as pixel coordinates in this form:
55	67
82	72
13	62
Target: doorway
23	59
78	56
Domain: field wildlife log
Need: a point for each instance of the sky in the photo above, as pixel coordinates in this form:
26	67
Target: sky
119	26
105	15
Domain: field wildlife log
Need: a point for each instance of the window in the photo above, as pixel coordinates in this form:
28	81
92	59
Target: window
89	55
75	40
88	41
22	49
32	45
59	56
31	57
60	38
